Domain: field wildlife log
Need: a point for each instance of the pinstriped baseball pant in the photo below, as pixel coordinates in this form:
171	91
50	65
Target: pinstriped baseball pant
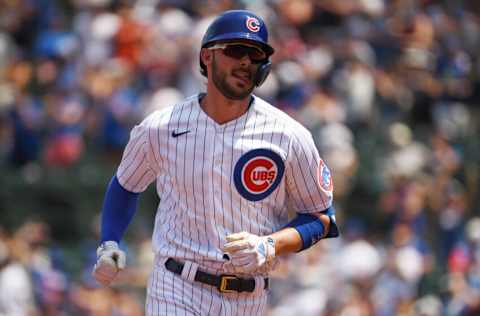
169	294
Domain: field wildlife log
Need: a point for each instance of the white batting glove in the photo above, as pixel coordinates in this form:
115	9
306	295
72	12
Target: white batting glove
249	252
110	260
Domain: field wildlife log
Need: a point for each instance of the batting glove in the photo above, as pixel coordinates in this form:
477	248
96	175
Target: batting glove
110	260
249	252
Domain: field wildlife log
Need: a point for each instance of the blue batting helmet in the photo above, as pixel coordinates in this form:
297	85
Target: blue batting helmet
242	25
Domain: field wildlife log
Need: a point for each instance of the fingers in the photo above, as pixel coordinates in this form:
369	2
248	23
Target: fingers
234	246
244	265
242	249
105	270
243	260
238	241
237	236
110	260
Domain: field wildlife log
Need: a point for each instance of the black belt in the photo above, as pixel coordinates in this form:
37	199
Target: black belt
224	283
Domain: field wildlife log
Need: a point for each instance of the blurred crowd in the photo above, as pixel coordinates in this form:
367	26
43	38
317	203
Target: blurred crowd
34	279
389	89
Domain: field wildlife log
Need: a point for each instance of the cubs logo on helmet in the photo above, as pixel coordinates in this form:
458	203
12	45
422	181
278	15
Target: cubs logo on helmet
258	173
325	177
253	24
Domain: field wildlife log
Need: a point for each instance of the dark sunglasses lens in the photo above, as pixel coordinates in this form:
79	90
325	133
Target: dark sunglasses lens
238	51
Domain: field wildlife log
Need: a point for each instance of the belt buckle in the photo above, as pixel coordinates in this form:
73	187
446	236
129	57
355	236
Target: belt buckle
224	282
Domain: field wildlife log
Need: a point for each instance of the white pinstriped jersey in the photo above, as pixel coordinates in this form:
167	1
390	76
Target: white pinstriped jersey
217	179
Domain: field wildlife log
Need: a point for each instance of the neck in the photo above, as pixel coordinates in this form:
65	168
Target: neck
221	109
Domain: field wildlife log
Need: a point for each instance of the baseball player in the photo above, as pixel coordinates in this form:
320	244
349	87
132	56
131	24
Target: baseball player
228	166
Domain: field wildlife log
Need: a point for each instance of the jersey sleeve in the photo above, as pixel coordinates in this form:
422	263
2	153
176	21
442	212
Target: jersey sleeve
138	168
308	180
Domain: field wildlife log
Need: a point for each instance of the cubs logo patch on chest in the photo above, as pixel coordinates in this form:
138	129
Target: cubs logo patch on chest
258	173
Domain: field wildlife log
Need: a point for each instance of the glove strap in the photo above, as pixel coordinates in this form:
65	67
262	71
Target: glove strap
107	245
270	243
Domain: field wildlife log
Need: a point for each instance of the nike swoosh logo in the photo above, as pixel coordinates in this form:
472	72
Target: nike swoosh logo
175	134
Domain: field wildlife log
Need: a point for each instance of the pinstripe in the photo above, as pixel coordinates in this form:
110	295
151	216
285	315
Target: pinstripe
155	151
168	217
185	174
237	299
251	308
245	307
213	196
230	307
172	216
130	174
243	152
221	188
162	159
134	160
157	305
130	148
295	181
135	163
211	301
176	168
185	190
163	293
226	305
288	129
203	184
137	185
302	179
305	184
271	211
148	301
166	222
231	171
262	202
195	194
264	304
173	291
253	135
167	155
150	148
194	160
171	233
152	292
313	176
278	191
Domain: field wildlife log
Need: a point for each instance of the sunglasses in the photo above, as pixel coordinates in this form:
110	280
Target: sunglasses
237	51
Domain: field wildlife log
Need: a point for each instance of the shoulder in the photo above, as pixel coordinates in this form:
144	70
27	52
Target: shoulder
161	118
293	129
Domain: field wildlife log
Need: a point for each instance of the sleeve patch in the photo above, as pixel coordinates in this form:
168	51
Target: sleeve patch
325	177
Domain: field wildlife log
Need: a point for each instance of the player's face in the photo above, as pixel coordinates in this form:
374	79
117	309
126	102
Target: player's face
233	70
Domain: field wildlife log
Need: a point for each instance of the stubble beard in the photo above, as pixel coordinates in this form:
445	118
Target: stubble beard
220	81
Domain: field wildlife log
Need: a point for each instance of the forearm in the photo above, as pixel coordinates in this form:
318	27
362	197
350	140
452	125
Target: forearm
119	206
289	240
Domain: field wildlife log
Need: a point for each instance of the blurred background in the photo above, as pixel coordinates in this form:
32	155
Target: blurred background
390	90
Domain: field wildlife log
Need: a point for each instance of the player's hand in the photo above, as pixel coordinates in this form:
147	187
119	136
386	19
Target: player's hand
249	252
110	260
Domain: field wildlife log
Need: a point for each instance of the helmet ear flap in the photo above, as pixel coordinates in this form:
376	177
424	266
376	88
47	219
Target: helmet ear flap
262	73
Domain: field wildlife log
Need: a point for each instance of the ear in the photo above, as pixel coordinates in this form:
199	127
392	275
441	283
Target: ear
206	56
